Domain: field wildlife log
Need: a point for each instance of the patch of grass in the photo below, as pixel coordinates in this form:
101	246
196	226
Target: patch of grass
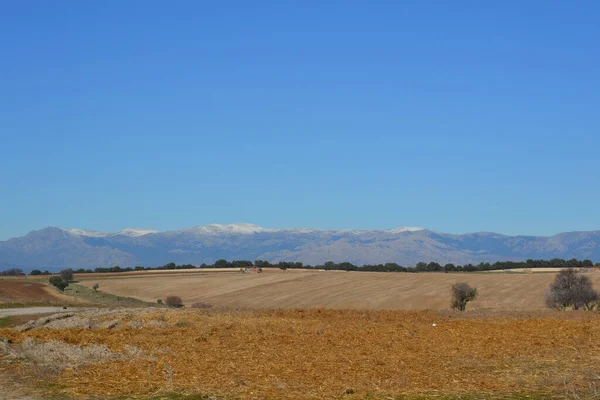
24	304
5	322
100	297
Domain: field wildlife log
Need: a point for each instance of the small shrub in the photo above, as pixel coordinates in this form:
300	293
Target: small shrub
96	286
58	282
159	301
174	301
201	305
462	293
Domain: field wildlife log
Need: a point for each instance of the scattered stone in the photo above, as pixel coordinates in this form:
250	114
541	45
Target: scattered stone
27	326
61	355
134	323
40	322
157	324
77	322
134	351
110	324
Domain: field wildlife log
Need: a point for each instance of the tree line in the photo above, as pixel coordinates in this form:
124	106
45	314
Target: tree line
343	266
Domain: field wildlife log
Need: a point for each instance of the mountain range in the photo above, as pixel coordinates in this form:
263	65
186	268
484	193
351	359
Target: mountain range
56	248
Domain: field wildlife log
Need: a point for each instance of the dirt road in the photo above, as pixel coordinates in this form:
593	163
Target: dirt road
12	312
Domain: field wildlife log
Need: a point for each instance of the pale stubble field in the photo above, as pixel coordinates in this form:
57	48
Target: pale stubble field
337	290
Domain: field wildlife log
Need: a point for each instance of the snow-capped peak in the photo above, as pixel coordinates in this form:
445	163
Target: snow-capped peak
87	233
405	229
134	232
131	232
218	229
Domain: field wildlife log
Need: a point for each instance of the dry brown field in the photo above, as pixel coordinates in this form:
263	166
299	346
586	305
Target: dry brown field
22	290
337	290
311	354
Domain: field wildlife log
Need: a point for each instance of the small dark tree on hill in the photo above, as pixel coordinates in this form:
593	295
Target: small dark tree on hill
36	272
66	275
174	301
571	289
462	293
58	282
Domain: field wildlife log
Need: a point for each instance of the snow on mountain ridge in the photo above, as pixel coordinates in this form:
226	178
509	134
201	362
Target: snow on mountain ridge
216	229
87	233
405	229
132	232
229	229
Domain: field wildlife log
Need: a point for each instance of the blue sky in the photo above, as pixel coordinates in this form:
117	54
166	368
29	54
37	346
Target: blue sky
455	116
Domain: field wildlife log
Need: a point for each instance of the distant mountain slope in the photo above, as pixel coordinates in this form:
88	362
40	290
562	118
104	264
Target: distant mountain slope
55	248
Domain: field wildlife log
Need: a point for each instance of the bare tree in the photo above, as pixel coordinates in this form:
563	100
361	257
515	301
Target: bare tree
571	289
462	293
66	275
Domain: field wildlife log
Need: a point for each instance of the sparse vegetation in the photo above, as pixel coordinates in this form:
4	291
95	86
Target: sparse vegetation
96	287
174	301
159	301
87	294
201	304
570	289
462	293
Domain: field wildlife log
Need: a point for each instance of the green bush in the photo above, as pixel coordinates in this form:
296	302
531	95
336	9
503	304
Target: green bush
58	282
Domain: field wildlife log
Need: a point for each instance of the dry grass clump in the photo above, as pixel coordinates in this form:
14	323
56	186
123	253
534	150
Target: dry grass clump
201	304
302	354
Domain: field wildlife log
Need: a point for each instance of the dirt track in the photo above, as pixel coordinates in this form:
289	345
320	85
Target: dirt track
341	290
10	312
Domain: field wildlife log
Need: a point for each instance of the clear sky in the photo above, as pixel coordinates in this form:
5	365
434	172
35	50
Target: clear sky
457	116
